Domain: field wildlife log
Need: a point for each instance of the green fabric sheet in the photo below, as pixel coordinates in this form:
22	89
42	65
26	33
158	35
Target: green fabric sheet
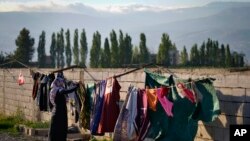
184	124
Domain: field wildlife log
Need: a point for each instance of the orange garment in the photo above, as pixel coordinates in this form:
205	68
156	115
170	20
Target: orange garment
152	98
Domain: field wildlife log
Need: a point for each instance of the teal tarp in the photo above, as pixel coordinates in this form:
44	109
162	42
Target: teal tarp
183	126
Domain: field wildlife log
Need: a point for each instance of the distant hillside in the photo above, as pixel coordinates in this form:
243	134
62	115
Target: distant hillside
223	21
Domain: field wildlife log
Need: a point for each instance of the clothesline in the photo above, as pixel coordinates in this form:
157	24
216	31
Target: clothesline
119	75
7	63
172	86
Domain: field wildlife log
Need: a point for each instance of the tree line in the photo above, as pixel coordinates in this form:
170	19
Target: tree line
117	51
211	53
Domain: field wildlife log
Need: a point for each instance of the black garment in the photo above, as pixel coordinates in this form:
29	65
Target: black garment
35	77
59	119
43	101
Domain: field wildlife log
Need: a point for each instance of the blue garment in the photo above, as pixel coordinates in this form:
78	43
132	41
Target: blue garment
97	109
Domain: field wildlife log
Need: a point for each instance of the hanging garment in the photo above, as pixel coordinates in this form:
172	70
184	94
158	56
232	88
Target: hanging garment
20	79
121	126
43	103
51	78
98	107
208	108
131	107
84	114
184	92
35	77
142	121
110	111
152	98
39	95
182	126
74	101
165	103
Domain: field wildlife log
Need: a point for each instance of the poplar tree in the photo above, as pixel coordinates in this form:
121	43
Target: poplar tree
58	62
53	50
163	51
184	57
41	50
114	50
76	48
102	59
62	46
222	56
107	55
128	49
84	48
194	55
144	53
68	52
122	49
202	54
135	56
95	52
228	57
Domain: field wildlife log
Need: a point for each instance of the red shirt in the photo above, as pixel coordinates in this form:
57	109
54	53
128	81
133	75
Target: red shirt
110	108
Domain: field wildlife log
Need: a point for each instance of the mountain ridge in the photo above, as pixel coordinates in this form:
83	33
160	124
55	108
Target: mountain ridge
184	28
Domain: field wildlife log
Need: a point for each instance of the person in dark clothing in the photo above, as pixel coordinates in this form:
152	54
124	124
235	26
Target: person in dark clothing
59	119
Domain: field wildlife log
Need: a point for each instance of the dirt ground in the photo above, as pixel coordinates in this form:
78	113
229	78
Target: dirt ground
8	137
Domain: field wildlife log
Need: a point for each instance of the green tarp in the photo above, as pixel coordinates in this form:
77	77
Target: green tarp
183	126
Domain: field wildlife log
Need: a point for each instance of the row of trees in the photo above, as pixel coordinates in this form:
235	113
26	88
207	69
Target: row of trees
115	52
211	53
118	50
59	49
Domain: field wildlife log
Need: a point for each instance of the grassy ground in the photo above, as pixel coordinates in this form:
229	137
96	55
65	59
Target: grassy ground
10	124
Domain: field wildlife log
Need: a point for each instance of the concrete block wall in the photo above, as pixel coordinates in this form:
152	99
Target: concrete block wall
233	90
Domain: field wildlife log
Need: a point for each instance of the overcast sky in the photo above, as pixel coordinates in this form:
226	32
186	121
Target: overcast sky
101	5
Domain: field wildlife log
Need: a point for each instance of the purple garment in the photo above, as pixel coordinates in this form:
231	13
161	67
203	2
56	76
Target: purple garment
165	103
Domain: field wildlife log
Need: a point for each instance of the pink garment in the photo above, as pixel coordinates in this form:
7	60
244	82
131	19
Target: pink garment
165	103
20	79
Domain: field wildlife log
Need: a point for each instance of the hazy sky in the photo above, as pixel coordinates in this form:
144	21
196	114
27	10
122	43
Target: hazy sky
105	5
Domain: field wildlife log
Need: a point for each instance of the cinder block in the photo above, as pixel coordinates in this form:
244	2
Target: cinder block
112	74
244	81
42	132
77	76
88	76
69	75
232	80
140	85
220	80
105	75
125	86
